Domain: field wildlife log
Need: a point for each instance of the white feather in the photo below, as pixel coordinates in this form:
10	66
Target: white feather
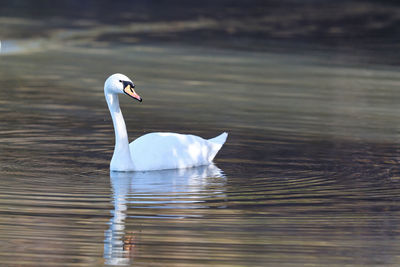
155	151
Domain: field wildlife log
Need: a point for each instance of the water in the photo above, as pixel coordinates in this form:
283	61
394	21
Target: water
309	175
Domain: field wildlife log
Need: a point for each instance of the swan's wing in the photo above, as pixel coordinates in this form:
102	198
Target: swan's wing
157	151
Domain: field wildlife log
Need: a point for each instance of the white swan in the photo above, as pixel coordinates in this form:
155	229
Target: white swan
153	151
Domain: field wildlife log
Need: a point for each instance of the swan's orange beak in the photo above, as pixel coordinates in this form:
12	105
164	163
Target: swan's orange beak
129	90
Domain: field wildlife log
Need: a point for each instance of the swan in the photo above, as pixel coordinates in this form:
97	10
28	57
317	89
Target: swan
153	151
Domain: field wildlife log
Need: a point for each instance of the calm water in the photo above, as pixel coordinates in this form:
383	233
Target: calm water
309	175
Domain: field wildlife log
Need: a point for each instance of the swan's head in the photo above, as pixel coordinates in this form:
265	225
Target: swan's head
120	84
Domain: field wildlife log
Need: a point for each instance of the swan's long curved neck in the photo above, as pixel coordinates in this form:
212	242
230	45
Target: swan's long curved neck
121	159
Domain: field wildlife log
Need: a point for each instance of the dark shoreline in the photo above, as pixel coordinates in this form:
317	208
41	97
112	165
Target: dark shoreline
366	28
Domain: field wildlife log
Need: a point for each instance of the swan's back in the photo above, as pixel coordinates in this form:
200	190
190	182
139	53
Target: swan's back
157	151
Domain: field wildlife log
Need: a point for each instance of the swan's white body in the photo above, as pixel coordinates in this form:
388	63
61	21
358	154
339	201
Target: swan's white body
154	151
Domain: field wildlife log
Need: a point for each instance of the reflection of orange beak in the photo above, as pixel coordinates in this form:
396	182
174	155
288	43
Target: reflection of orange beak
131	92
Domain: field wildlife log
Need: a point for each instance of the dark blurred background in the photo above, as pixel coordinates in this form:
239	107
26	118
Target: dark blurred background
371	26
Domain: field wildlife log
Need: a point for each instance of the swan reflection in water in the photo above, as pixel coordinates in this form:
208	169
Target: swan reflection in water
159	188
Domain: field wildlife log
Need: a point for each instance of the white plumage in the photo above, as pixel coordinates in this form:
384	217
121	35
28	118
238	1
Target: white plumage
153	151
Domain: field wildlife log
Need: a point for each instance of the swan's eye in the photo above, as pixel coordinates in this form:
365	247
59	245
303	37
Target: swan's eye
120	81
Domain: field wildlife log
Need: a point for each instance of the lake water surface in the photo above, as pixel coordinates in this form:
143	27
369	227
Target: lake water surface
309	175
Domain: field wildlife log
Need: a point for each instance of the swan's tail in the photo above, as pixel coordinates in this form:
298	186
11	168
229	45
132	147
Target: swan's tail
220	139
216	144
